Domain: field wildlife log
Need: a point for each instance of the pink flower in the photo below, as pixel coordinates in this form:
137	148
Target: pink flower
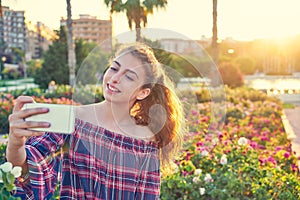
227	151
278	148
221	136
188	156
184	173
286	154
194	112
272	160
262	161
204	119
199	144
264	138
253	145
295	167
9	96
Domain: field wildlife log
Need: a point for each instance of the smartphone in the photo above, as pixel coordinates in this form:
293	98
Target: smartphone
60	116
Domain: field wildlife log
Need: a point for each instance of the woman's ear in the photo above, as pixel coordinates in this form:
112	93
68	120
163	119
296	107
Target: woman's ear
143	94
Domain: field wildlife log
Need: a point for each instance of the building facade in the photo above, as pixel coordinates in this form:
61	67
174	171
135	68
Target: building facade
183	46
14	29
38	39
30	38
91	29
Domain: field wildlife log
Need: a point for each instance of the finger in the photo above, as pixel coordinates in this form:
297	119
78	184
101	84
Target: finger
28	133
32	111
23	114
21	124
20	101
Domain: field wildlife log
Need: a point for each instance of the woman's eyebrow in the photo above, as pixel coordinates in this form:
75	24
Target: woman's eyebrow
131	71
117	63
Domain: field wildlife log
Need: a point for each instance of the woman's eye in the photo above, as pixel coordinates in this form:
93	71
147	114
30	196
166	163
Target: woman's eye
129	77
113	68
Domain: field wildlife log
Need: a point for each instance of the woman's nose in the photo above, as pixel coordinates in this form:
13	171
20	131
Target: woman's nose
116	77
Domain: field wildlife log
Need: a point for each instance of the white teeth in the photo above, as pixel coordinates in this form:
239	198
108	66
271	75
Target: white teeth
113	89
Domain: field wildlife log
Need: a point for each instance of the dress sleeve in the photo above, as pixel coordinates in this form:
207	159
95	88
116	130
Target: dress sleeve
43	166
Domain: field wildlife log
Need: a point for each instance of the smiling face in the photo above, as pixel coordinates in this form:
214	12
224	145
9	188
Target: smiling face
124	79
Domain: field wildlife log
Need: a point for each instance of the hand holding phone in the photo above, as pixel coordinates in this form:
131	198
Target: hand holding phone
61	117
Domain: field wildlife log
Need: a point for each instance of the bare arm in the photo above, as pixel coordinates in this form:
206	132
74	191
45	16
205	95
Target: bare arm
19	132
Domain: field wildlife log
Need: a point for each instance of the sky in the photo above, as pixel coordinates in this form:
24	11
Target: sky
242	20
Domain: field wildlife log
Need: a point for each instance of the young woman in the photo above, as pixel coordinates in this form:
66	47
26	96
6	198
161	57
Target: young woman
119	147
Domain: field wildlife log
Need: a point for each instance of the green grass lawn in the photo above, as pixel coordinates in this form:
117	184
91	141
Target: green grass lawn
16	82
288	105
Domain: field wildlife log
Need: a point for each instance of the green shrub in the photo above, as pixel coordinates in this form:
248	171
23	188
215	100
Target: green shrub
203	95
231	74
11	73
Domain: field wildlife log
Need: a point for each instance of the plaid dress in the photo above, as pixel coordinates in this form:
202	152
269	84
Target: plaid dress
98	164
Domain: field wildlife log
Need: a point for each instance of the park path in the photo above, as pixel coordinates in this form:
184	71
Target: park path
291	120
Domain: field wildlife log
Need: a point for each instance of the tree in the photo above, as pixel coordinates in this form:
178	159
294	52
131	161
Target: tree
82	49
92	67
136	11
33	66
231	74
214	43
71	48
246	65
92	62
55	66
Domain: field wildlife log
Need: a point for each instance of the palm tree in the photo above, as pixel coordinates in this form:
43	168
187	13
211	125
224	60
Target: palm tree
136	11
214	44
71	46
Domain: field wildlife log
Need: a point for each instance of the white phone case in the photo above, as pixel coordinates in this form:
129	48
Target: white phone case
60	116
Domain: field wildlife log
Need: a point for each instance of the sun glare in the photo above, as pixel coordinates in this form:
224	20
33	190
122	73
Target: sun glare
239	19
269	19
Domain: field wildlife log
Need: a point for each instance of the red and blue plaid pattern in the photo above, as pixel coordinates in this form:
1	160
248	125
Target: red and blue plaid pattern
98	164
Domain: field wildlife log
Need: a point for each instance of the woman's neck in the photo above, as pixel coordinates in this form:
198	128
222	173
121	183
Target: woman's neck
115	112
117	118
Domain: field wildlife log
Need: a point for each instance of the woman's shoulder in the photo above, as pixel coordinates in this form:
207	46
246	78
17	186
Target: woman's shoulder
84	112
83	108
144	133
89	109
88	113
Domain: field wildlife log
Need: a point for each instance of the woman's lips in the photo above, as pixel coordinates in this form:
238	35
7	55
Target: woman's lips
112	88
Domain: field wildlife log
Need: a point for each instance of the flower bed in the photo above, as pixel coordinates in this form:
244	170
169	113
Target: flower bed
250	158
